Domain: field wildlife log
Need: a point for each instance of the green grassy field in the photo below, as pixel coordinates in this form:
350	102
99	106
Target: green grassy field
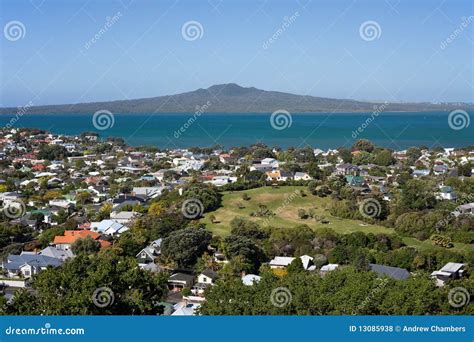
285	202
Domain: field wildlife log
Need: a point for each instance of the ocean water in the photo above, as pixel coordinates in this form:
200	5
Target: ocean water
322	130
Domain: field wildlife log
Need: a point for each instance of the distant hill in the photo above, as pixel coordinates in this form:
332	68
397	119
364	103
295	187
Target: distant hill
232	98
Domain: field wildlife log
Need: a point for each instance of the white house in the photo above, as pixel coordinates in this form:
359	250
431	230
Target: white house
284	262
301	176
108	227
451	270
446	193
123	217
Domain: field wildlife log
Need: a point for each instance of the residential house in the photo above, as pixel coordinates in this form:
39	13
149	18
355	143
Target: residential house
261	167
446	193
185	308
328	268
108	227
278	175
302	176
271	162
148	192
440	170
250	279
467	208
284	262
150	252
452	270
205	279
123	217
355	181
346	169
54	252
28	264
179	281
389	271
70	236
421	173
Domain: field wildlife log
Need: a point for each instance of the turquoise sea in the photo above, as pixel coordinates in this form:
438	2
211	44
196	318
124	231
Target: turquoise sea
322	130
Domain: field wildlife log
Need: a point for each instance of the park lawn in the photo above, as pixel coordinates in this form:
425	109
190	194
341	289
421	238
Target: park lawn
285	202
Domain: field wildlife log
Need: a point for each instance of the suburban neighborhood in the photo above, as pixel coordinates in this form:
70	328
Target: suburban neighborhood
214	231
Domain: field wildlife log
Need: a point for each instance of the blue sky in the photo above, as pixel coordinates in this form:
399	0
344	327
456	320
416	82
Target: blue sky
321	52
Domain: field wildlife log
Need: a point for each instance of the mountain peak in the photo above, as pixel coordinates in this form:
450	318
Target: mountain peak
230	89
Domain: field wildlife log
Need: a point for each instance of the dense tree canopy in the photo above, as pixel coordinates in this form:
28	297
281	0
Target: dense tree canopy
76	287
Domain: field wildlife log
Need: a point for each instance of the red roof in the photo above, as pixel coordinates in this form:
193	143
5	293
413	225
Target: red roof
70	236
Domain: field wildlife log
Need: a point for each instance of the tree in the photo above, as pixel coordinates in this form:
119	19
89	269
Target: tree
345	154
101	284
344	291
48	235
86	245
185	246
363	158
417	195
465	170
295	266
252	254
243	227
302	214
363	145
384	158
51	194
83	197
52	152
206	194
